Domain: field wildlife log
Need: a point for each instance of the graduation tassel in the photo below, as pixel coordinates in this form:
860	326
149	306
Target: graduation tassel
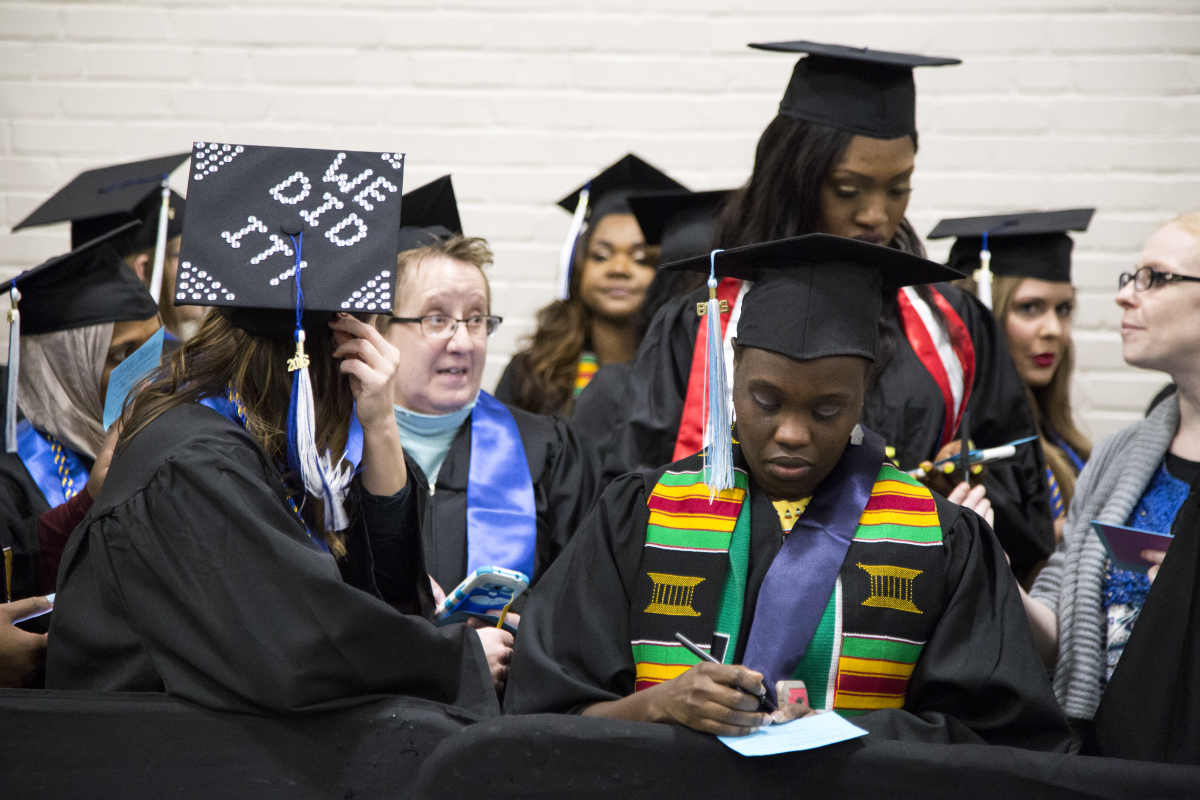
718	431
566	258
14	368
983	275
320	477
160	243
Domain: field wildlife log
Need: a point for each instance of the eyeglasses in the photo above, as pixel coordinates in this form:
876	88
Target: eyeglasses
1146	278
439	326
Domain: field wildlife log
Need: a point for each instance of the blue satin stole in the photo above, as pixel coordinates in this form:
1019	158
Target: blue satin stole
501	513
37	454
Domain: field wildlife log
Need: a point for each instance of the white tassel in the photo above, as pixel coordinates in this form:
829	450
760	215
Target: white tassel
160	243
321	477
983	276
14	368
567	256
718	435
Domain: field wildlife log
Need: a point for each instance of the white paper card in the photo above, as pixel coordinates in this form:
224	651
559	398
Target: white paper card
816	730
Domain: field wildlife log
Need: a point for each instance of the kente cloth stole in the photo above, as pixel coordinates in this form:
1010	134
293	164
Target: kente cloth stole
885	604
55	468
917	331
585	371
690	438
690	542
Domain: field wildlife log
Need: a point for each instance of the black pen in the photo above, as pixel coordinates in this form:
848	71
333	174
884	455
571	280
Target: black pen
763	700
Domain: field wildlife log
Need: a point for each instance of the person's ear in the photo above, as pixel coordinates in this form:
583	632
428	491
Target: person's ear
142	266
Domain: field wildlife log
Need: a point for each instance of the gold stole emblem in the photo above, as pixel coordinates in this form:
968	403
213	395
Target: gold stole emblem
891	587
672	595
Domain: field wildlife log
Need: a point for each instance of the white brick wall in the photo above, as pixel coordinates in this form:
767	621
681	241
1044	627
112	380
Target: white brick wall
1059	103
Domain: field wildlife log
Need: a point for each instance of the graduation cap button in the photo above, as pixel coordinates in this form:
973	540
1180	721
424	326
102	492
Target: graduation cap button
292	227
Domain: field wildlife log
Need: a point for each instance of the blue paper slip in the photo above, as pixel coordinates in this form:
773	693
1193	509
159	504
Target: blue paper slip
128	373
815	730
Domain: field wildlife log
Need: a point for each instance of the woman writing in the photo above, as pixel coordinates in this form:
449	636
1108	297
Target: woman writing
226	560
1123	643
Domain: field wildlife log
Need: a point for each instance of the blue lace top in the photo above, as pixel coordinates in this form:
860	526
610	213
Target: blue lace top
1125	591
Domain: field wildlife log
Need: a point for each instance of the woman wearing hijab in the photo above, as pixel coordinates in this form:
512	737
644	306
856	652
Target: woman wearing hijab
593	323
227	560
1125	643
838	159
80	317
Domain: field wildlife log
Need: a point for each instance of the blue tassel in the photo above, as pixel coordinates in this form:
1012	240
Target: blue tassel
718	433
320	476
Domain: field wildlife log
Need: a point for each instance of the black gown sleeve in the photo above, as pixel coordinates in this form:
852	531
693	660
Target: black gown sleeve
1000	414
565	492
21	503
653	402
979	679
192	576
573	648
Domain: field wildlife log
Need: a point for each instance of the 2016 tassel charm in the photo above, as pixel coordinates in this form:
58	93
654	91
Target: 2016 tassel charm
718	433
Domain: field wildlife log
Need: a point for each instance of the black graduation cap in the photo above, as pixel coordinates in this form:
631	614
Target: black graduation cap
680	223
608	191
429	212
859	90
1031	244
101	199
816	295
88	286
255	211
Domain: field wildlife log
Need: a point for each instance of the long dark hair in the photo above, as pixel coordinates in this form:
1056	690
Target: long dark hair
222	355
782	199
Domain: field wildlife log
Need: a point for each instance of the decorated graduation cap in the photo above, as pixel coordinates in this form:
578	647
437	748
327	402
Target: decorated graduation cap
100	200
429	213
607	193
859	90
90	285
679	223
1030	245
280	239
813	296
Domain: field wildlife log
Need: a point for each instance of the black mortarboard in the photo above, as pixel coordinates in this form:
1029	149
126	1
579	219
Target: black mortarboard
680	223
250	207
859	90
607	192
1029	245
816	295
88	286
101	199
141	237
429	212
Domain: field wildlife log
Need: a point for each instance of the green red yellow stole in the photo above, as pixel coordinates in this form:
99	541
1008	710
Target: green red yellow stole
886	602
585	371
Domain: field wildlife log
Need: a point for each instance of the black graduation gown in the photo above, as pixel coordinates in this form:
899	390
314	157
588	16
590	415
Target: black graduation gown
1150	710
979	678
21	503
566	483
906	408
191	575
597	409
